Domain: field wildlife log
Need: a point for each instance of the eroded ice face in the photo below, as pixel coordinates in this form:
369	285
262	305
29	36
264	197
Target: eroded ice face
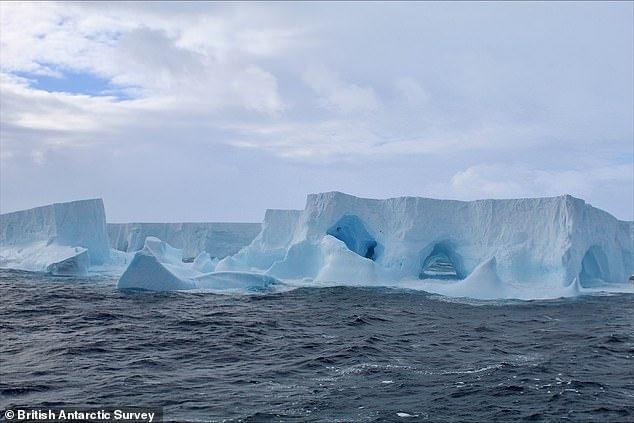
488	248
554	245
442	263
351	230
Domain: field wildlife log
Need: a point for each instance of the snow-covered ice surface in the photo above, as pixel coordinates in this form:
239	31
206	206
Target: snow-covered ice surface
61	238
523	248
218	239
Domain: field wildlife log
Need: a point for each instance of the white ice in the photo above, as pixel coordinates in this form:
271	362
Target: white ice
488	249
524	248
160	267
39	256
61	238
218	239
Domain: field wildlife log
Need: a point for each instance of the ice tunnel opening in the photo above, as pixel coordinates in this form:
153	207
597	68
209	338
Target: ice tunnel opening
594	267
351	230
441	263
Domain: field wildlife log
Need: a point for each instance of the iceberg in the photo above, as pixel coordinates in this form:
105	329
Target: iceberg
40	256
218	239
157	267
555	243
72	239
160	267
61	238
204	263
516	248
269	246
236	281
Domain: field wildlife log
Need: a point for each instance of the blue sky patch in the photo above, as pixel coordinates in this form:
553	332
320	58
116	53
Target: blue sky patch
75	82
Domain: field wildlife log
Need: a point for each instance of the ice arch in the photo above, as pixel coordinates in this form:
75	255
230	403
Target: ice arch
442	263
351	230
594	267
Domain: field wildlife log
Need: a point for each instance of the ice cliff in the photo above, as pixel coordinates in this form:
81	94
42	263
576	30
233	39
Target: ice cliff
217	239
73	239
487	248
61	238
551	242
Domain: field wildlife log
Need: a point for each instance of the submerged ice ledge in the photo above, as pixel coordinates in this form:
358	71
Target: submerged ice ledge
60	238
483	249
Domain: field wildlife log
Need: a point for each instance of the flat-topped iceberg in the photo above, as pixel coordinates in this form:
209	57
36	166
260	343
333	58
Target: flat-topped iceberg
521	248
160	267
61	238
72	239
551	243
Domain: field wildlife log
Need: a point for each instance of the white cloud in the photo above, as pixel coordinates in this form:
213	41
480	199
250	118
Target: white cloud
339	96
411	91
341	139
516	181
330	140
382	90
197	61
24	107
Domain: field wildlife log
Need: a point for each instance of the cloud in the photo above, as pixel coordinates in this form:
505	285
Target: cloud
330	140
599	183
336	139
411	91
418	98
147	54
339	96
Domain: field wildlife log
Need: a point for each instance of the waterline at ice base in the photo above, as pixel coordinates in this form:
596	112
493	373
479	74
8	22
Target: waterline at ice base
530	248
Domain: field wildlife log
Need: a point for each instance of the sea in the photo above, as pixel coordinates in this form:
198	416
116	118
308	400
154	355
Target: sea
332	354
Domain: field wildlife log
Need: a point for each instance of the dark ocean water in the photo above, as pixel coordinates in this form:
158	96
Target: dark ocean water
327	354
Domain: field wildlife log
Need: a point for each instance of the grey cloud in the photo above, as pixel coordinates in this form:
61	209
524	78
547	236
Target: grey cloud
441	99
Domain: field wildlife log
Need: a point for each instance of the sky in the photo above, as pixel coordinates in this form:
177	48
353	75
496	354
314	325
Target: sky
218	111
